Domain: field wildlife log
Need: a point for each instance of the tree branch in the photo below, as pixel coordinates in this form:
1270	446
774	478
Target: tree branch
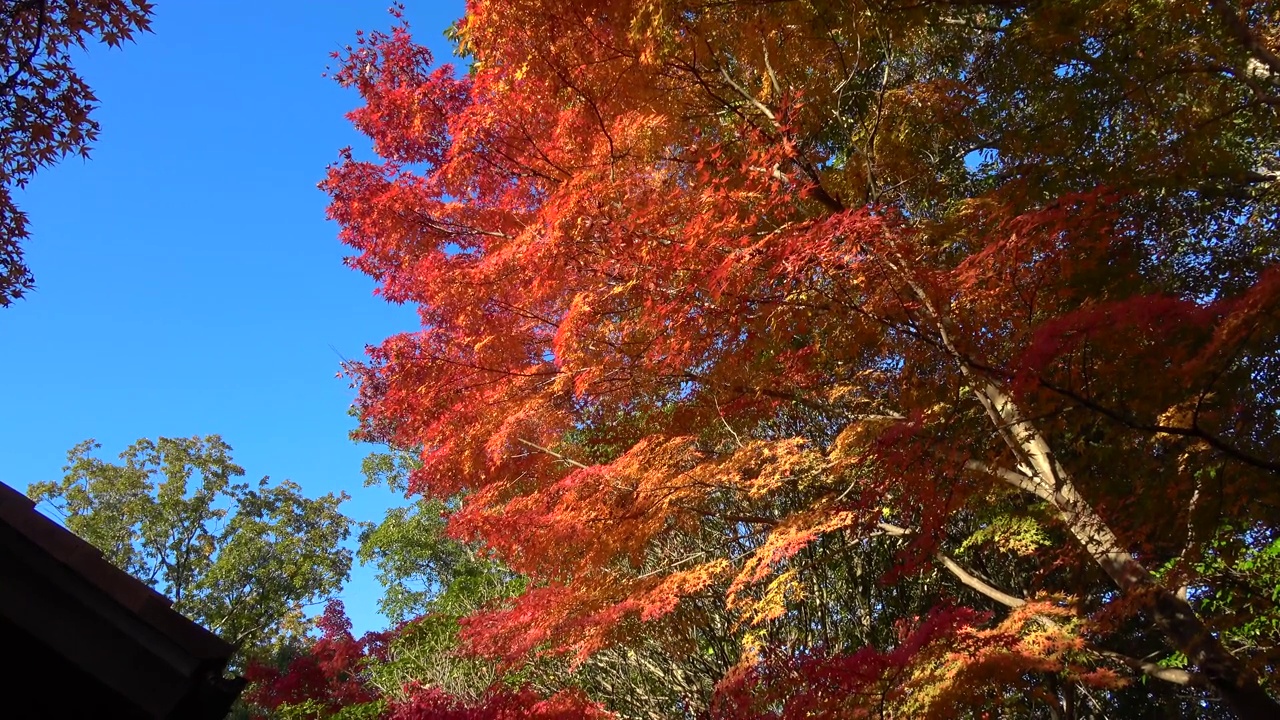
1176	676
1246	37
1016	479
552	453
973	582
24	64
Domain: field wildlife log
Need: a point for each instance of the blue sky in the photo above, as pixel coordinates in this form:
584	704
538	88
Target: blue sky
188	282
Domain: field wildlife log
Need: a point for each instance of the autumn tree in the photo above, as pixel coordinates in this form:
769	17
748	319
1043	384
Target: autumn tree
45	104
906	358
431	582
318	677
244	560
338	676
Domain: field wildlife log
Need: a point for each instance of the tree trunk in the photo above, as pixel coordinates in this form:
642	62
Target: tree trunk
1183	629
1040	474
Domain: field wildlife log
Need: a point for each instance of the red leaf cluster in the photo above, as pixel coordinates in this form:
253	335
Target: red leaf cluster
328	672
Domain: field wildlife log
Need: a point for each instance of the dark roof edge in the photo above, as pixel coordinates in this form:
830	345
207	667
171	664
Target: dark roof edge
64	546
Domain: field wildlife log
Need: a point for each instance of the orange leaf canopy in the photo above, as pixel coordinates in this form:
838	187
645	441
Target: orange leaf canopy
716	297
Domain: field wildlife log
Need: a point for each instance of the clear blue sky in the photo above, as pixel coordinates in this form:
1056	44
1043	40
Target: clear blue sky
188	282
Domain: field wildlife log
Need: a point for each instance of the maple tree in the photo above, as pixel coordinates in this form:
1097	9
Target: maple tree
323	679
431	582
911	359
331	679
420	569
45	104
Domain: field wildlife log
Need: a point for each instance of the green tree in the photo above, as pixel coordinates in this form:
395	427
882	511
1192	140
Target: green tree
430	582
420	567
242	560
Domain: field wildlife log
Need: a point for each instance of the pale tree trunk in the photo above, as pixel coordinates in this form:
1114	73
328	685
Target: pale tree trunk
1185	631
1040	474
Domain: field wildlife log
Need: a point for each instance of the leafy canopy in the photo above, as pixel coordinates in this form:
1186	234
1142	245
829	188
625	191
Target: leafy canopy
902	359
242	560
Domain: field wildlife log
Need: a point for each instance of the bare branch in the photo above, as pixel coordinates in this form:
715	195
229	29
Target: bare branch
1016	479
553	453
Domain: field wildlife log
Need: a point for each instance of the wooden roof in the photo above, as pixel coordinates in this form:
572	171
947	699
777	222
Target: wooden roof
118	646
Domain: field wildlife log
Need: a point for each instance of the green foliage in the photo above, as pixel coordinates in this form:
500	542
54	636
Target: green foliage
311	709
430	581
1017	534
362	711
242	560
422	570
1242	573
